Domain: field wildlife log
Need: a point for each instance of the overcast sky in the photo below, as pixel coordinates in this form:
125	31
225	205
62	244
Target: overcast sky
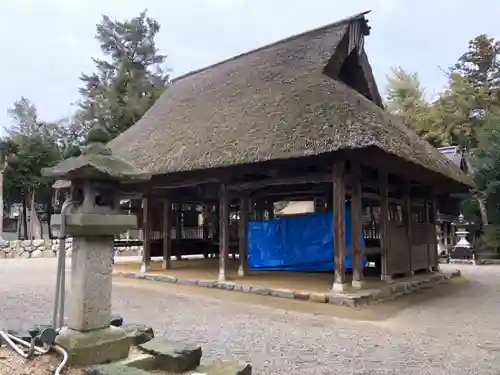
48	43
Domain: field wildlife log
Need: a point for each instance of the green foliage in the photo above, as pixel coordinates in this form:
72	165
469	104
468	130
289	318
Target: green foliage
491	238
466	114
128	82
30	146
406	99
486	157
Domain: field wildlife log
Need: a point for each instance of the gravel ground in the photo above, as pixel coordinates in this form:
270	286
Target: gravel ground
455	334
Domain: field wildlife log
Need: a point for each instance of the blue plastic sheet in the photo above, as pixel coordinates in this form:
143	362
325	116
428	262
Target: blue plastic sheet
303	243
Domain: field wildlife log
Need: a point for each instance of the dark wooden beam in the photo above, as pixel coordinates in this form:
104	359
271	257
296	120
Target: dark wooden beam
339	225
146	233
243	234
407	220
167	226
357	226
384	218
298	180
224	231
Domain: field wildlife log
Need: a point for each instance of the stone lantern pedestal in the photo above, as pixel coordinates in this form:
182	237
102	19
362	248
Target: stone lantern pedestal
93	221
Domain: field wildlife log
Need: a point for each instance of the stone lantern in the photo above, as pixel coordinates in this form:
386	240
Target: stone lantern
463	249
93	220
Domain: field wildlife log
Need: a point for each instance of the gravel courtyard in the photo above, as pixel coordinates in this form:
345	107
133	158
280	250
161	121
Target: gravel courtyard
457	333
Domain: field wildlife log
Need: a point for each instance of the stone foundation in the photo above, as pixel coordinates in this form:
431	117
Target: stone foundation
49	248
356	298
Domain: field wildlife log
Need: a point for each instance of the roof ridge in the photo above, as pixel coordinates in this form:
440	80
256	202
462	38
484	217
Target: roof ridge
334	24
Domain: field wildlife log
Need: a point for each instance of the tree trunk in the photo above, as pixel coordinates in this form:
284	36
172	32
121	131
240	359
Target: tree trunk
35	225
49	216
24	219
480	200
1	204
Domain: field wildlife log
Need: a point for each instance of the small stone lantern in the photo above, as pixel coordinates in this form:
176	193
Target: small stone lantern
93	221
462	233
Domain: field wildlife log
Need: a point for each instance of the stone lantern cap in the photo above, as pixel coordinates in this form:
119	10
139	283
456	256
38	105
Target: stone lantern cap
94	178
95	163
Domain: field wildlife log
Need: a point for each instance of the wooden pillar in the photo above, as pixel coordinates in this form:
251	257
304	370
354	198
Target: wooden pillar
339	226
428	220
270	210
205	220
259	210
167	226
384	222
243	235
445	234
357	227
224	231
178	230
407	220
432	255
146	233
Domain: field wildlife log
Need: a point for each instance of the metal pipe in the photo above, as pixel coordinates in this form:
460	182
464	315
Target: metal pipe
58	314
37	349
11	340
60	350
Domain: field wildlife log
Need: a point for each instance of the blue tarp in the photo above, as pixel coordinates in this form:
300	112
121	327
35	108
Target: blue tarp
302	243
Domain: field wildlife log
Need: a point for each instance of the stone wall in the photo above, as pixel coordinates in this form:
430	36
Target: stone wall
49	249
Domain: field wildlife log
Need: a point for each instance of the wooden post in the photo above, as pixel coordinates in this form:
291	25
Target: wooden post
224	231
178	230
445	235
433	255
205	215
243	235
270	210
357	227
167	226
428	220
146	230
384	221
339	226
407	219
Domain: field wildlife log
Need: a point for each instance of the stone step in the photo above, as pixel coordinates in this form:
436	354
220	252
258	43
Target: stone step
223	367
173	356
115	369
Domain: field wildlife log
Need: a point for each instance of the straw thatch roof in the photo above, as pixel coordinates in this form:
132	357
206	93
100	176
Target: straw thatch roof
281	101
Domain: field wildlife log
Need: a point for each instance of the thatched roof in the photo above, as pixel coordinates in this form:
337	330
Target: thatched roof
285	100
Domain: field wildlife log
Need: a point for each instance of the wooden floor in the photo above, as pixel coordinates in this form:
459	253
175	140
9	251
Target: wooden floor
207	270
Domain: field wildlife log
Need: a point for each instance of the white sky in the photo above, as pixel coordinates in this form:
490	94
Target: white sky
48	43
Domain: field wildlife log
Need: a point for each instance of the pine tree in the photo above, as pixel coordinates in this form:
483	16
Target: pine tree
128	81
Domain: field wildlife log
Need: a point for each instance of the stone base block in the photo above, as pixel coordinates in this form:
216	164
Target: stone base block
357	284
173	356
220	367
339	288
94	347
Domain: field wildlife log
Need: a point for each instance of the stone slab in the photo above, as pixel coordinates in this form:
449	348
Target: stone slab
351	298
173	356
222	367
145	362
138	333
94	347
115	369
